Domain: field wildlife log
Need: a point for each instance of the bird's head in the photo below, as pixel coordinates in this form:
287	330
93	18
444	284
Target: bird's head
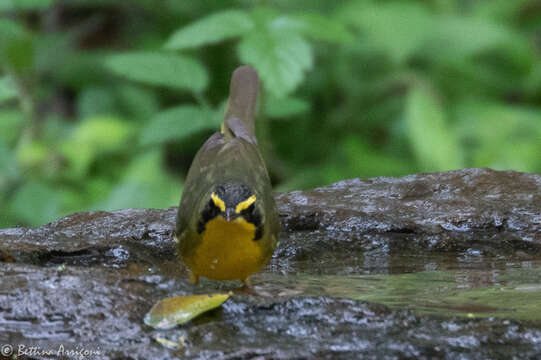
232	202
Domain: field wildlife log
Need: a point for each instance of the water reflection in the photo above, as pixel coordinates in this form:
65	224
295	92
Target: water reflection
466	284
470	283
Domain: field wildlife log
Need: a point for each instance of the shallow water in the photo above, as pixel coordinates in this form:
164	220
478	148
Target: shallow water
467	284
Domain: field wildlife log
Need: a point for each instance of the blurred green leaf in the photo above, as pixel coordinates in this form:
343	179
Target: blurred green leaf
36	203
14	39
84	68
32	153
94	136
398	28
179	122
499	136
211	29
52	51
281	58
7	89
145	185
11	124
94	190
102	132
24	4
8	167
20	54
95	100
403	29
153	68
10	30
501	10
430	137
533	81
137	102
451	38
316	26
285	107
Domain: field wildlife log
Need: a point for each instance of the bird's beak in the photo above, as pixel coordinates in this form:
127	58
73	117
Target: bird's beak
229	214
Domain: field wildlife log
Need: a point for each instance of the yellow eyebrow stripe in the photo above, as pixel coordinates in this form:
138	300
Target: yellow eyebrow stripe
245	204
217	201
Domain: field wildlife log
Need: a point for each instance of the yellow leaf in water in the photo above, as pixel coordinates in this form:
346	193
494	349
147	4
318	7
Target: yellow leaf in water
169	312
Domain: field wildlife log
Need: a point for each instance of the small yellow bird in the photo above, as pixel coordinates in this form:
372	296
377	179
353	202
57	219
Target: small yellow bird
227	224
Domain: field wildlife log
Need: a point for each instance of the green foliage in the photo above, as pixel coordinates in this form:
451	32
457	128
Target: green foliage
36	203
281	59
285	107
25	4
160	69
211	29
145	184
93	137
7	89
178	123
429	135
101	111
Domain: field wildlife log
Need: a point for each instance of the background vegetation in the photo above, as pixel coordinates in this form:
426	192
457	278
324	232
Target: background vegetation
104	103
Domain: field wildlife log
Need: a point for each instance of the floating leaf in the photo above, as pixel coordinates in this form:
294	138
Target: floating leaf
281	57
160	69
432	141
169	312
211	29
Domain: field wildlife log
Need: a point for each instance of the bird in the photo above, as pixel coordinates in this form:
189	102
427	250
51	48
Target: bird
227	224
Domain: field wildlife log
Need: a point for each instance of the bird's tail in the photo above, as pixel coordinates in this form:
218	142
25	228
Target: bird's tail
242	102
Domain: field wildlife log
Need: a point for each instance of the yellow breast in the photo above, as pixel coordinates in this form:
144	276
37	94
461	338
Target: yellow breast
227	250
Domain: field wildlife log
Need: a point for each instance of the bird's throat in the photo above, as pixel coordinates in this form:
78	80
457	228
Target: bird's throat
227	250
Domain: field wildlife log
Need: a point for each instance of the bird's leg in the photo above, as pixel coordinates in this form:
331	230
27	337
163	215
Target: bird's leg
246	281
194	278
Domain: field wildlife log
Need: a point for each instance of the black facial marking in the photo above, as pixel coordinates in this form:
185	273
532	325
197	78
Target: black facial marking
209	212
252	215
258	233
